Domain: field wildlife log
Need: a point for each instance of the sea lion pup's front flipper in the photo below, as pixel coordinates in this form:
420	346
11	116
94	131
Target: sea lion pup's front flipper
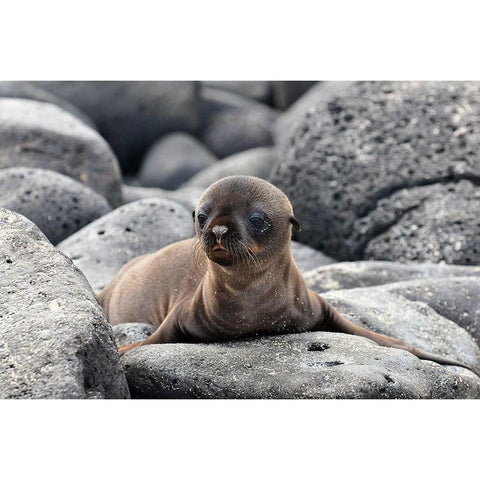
334	322
168	332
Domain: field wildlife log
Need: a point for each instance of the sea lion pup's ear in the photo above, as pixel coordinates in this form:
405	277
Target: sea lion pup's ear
193	215
295	223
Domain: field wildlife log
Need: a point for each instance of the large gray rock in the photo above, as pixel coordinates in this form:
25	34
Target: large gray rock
308	258
186	196
104	246
307	365
376	170
57	204
172	160
345	275
31	92
257	162
253	89
232	123
132	115
55	339
42	135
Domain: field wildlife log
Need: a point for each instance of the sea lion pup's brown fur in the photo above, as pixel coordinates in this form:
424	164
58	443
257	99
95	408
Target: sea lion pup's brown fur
235	278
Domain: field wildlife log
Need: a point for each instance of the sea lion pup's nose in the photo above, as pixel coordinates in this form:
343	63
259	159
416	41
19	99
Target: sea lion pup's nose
219	231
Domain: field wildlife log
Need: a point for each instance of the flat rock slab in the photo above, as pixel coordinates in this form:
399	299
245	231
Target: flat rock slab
345	275
387	309
55	339
257	162
308	365
41	135
57	204
388	171
132	115
104	246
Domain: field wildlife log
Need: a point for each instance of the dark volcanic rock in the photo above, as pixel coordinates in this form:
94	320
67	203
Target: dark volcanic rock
308	258
29	91
257	162
186	196
41	135
256	90
57	204
232	123
381	164
100	249
172	160
345	275
308	365
55	339
132	115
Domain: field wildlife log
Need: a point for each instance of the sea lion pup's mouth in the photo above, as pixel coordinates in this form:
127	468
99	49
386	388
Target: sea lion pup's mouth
219	254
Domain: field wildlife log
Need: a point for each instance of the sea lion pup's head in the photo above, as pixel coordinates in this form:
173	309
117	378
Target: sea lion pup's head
243	220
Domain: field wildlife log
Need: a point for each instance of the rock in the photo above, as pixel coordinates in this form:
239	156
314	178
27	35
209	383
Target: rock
407	145
126	333
345	275
56	341
57	204
307	365
101	248
285	93
41	135
233	124
307	258
132	115
186	196
257	162
289	120
30	92
172	160
261	91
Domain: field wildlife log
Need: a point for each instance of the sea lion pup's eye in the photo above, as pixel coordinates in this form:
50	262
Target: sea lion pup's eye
202	218
260	222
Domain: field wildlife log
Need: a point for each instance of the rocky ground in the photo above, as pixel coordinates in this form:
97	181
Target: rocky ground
383	176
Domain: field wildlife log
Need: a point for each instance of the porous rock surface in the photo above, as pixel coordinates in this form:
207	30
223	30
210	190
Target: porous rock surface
57	204
307	365
104	246
257	162
41	135
131	115
388	170
231	123
172	160
55	339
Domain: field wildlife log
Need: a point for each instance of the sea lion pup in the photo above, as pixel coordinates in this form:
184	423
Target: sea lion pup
235	278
